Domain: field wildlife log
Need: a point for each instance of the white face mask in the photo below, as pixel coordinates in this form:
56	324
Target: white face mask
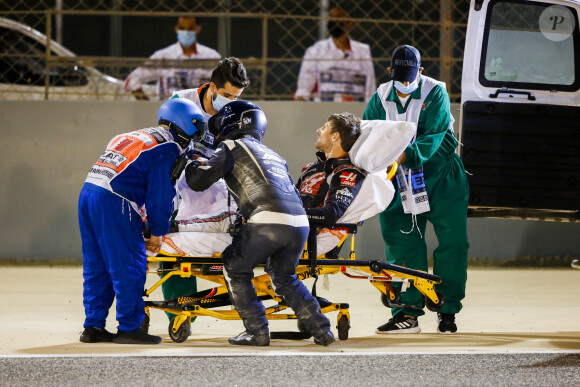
220	101
406	89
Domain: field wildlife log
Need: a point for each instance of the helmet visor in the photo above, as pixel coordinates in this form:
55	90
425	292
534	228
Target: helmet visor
200	132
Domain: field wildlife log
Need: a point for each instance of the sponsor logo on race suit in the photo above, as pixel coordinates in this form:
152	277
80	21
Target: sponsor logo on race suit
311	184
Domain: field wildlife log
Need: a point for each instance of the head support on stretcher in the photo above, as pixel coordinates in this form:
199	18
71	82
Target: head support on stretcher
378	146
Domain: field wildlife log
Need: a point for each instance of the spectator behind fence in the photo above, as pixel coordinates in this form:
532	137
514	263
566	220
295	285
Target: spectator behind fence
433	187
172	79
338	68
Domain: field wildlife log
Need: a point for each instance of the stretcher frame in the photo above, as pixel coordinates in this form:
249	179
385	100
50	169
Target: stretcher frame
381	275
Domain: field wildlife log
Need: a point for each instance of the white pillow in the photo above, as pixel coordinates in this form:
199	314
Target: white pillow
375	195
380	144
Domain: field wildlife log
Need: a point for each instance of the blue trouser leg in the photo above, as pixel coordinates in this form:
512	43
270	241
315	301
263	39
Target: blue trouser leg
98	293
117	230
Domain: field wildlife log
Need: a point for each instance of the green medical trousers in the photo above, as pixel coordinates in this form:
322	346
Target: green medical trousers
448	193
177	286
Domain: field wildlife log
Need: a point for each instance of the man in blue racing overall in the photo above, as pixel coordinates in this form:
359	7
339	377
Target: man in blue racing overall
134	171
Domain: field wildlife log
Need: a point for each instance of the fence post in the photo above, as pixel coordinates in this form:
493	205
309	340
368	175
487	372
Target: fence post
47	56
264	56
224	30
58	8
323	14
445	44
115	30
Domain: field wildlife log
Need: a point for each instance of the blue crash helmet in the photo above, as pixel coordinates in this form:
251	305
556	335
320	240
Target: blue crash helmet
184	119
238	119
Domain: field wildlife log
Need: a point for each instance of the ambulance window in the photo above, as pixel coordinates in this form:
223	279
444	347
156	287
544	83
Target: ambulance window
531	45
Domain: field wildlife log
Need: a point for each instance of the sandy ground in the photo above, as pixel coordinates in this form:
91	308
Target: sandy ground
506	310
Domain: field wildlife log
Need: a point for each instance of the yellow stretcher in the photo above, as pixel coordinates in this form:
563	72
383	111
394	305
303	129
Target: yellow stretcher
203	303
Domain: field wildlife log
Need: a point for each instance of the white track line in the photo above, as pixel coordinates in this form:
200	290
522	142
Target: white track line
297	354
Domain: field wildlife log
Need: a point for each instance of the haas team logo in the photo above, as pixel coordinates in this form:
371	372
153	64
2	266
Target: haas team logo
348	179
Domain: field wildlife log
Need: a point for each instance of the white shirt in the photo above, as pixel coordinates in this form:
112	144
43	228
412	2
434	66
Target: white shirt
403	99
170	80
214	200
330	74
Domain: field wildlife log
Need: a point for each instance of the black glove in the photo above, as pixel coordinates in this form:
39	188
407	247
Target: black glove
173	227
146	230
178	167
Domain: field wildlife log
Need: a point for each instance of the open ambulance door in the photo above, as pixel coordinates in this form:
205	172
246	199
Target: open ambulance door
520	109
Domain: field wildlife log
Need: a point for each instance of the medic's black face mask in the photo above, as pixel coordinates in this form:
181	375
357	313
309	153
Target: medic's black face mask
335	29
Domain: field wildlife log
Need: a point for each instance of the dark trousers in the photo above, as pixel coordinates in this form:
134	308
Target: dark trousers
280	247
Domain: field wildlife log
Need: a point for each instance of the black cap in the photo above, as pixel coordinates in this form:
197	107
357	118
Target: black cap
405	63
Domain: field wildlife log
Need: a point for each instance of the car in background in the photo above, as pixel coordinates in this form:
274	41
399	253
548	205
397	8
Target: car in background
24	70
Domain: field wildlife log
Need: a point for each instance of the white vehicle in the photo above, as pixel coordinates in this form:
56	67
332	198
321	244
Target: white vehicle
520	109
23	70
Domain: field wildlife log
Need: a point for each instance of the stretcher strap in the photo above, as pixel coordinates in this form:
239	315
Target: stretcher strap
312	255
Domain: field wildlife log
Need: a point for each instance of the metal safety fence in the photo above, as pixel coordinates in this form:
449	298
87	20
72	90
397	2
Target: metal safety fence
84	49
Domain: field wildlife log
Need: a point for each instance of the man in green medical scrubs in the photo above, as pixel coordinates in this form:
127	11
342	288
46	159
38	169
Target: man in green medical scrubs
432	186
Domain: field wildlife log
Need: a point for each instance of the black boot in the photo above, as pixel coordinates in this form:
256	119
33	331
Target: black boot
246	338
325	338
138	336
96	335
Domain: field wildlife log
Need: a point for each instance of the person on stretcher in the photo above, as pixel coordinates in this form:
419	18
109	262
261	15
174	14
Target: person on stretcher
352	198
329	185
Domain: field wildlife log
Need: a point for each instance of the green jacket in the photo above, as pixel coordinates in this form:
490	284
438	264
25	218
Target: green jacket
435	143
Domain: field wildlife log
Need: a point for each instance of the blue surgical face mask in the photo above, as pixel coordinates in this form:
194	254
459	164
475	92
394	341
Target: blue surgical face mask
407	89
220	101
186	38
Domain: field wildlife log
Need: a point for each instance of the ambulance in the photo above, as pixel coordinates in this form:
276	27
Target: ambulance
520	109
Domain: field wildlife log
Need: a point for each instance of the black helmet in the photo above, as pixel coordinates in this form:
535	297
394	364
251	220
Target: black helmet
238	119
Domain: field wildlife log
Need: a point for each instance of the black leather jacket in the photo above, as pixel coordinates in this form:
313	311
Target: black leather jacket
256	176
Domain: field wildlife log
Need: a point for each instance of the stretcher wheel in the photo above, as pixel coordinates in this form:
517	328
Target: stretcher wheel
182	333
433	307
145	323
386	300
343	327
